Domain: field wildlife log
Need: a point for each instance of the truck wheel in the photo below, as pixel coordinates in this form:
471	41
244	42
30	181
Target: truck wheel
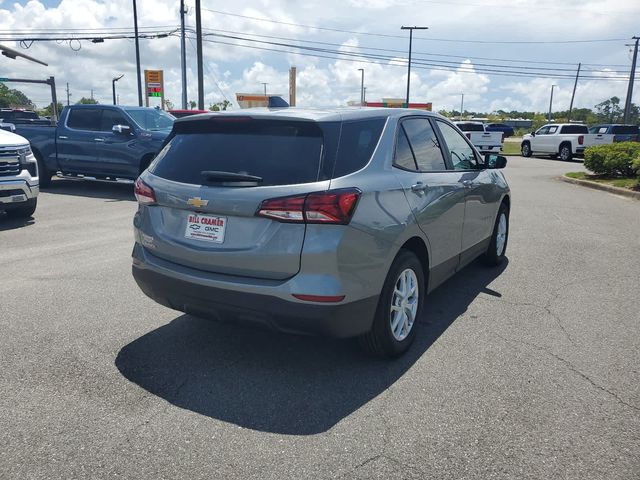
24	211
399	308
565	152
43	174
525	149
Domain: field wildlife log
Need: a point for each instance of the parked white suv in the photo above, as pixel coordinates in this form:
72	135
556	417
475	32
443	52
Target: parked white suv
19	185
565	140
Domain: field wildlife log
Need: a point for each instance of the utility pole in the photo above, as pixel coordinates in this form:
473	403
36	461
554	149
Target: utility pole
92	94
573	95
411	29
135	26
265	88
361	70
551	102
632	77
364	95
68	94
461	105
183	56
199	55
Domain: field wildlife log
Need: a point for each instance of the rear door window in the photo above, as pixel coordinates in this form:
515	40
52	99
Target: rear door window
424	144
403	157
624	130
572	129
84	119
281	152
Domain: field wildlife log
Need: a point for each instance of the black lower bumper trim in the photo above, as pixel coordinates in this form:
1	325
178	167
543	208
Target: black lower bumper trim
336	320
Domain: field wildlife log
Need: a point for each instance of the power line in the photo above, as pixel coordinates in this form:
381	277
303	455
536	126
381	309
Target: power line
361	47
337	55
387	58
421	38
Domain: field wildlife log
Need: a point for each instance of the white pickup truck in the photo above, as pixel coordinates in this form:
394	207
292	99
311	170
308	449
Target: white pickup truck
486	142
565	140
19	184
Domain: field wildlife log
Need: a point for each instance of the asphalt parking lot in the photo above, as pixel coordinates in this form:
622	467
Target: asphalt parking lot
528	371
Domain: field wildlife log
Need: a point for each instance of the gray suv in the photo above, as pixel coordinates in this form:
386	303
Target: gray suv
335	222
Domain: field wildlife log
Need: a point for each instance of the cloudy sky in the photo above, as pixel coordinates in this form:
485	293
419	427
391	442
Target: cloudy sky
500	54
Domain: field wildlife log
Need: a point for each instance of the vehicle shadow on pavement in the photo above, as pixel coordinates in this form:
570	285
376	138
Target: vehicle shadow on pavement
113	191
281	383
8	223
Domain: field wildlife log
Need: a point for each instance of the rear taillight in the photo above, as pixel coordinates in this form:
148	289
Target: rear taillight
144	193
581	140
330	207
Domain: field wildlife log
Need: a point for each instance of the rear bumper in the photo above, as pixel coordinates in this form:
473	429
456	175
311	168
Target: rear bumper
579	151
208	299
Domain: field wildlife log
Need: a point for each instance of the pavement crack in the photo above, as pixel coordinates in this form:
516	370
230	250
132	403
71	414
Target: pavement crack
571	367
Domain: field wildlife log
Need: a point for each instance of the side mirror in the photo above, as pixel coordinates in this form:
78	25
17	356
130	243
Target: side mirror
491	160
122	129
533	134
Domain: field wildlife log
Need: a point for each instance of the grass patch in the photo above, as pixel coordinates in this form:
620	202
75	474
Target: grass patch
631	183
511	148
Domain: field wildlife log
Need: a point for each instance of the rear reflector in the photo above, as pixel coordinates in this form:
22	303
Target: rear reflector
144	193
319	298
330	207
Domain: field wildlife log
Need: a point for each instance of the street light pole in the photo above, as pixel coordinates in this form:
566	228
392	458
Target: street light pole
135	26
551	102
461	105
632	77
411	29
361	87
113	86
183	56
265	88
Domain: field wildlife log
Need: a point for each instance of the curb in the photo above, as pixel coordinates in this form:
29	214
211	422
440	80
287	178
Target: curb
599	186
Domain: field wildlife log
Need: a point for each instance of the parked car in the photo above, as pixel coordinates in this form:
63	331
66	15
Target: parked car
484	140
565	140
335	222
507	130
100	141
20	116
18	176
187	113
620	133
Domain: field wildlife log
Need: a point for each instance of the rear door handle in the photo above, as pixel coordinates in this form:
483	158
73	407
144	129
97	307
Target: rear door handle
63	137
99	139
419	187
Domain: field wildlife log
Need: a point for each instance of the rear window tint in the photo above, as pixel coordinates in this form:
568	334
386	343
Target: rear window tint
625	130
574	129
358	140
281	152
470	127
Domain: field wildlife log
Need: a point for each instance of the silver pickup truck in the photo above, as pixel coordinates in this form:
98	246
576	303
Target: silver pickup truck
19	186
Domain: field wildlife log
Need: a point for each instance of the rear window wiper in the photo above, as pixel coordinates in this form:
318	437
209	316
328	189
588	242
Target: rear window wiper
237	179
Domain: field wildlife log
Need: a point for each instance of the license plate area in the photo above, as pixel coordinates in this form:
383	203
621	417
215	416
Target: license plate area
205	228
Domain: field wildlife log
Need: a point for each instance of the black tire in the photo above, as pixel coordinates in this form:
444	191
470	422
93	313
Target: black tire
24	211
525	149
495	256
381	341
44	175
565	153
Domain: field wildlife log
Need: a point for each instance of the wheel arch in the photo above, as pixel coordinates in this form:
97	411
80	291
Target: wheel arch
145	161
418	247
565	142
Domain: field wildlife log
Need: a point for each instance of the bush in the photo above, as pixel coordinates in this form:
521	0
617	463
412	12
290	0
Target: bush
636	165
615	160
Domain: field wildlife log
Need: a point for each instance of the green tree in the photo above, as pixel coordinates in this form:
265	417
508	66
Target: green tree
48	110
10	98
192	104
216	107
87	101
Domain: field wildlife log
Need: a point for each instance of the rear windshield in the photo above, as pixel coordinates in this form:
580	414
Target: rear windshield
19	115
624	130
574	129
282	152
471	127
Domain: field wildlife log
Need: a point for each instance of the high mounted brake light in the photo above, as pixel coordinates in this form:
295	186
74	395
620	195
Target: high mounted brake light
144	193
330	207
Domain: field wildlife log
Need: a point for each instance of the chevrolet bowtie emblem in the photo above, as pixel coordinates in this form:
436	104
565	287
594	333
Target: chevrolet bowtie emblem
198	202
